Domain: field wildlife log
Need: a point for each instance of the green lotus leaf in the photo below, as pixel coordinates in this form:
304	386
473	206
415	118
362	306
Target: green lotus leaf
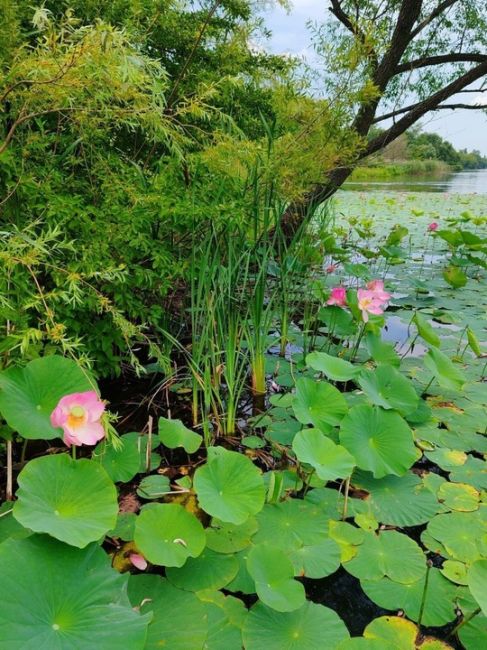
72	500
398	501
273	574
348	538
330	461
425	330
473	472
316	561
381	351
444	370
455	277
318	403
226	617
477	583
154	486
380	441
401	634
439	604
229	486
243	581
209	570
29	395
463	534
389	554
125	527
459	496
334	368
9	526
229	538
173	433
121	464
179	620
387	387
312	627
167	534
64	597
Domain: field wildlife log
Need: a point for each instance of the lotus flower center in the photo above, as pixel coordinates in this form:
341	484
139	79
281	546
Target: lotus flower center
76	417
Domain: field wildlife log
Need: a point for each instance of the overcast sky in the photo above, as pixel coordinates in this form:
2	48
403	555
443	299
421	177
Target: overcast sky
463	128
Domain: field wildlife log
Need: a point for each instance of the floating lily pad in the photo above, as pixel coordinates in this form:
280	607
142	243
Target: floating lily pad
209	570
477	583
380	441
318	403
229	538
72	500
273	574
316	561
312	627
29	395
123	463
459	496
455	571
330	461
167	534
154	486
463	534
226	617
179	619
348	537
229	486
401	634
389	554
173	433
473	472
125	526
71	597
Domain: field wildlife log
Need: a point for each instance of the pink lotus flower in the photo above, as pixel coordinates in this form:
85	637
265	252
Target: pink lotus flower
338	297
79	416
368	303
432	226
377	288
138	561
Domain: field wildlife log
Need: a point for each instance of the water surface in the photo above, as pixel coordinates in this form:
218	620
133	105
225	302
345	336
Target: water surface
473	181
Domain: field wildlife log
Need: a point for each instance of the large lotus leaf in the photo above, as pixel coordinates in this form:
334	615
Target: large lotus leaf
401	634
380	441
426	331
463	534
389	554
120	463
448	375
57	597
9	526
439	604
72	500
316	561
334	368
229	486
312	627
29	395
473	472
330	461
209	570
228	538
173	433
387	387
226	617
167	534
473	634
273	574
459	496
318	403
243	581
477	583
291	524
398	501
179	619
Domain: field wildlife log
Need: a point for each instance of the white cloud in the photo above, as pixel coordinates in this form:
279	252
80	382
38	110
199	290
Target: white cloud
480	100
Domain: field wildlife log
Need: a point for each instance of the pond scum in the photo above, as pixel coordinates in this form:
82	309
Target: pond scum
364	457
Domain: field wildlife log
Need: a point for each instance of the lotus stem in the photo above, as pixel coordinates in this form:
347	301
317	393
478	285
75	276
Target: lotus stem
463	622
9	487
429	564
148	449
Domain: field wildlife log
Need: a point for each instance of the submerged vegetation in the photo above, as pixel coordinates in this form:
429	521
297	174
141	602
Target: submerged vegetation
237	409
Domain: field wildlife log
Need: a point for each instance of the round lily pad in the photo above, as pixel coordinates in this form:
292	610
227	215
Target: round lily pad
439	606
398	501
389	554
330	461
334	368
167	534
473	472
459	496
387	387
455	571
120	463
229	486
228	538
72	500
316	561
312	627
173	433
29	395
70	597
318	403
380	441
226	617
179	620
477	583
399	633
463	534
209	570
273	574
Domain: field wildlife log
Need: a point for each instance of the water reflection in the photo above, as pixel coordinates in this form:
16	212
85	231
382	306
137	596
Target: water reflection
472	181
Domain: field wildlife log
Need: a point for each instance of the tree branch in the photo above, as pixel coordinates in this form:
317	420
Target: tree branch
440	59
437	11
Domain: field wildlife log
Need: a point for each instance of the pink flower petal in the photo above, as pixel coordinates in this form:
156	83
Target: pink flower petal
138	561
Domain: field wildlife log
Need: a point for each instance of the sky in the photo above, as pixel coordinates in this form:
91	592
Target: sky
465	129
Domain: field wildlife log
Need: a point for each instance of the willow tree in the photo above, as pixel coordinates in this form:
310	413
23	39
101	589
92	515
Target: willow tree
399	60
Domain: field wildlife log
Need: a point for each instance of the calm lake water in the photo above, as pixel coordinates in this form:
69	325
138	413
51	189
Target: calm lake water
467	182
